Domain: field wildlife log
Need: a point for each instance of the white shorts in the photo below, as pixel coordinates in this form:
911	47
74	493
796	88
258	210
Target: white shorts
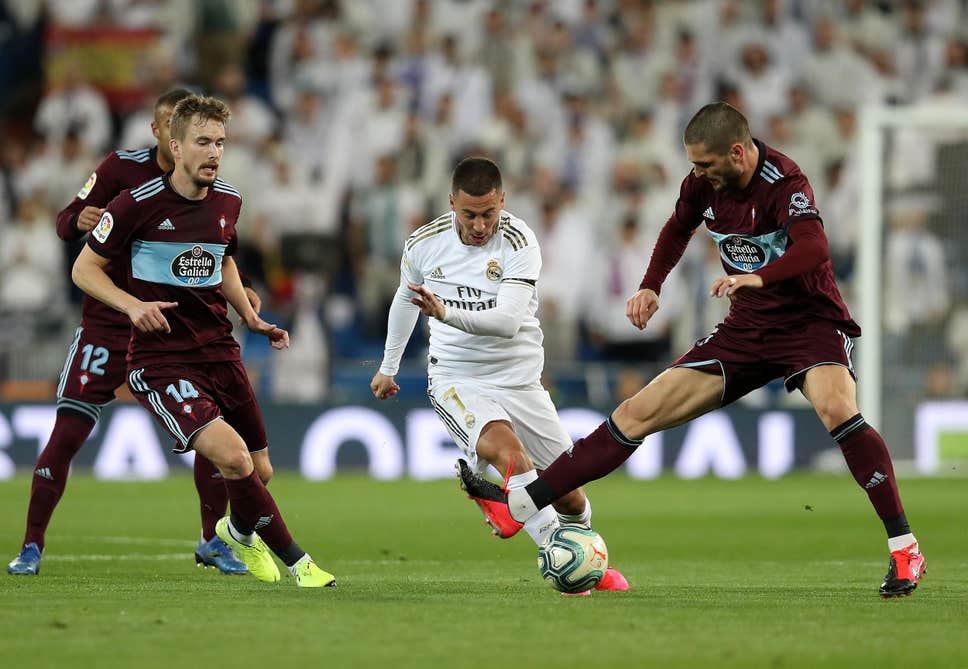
466	407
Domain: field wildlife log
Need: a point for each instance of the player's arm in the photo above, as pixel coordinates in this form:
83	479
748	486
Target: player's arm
504	320
400	323
808	250
671	244
89	275
235	293
85	210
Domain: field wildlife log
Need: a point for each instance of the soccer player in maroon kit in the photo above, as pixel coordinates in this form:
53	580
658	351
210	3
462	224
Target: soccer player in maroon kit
95	364
175	235
786	320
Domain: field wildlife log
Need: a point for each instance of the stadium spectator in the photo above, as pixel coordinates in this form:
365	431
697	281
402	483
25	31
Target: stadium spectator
73	103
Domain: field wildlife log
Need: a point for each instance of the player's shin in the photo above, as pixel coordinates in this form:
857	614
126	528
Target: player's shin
255	507
598	454
50	474
584	518
213	498
870	463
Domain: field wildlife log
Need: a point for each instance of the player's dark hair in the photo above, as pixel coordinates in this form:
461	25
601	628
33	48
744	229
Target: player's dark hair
476	176
718	126
171	98
197	109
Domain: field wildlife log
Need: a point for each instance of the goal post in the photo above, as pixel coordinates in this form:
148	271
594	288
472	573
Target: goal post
945	127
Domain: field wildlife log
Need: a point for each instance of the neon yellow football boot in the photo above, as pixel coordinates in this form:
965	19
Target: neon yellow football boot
309	575
257	557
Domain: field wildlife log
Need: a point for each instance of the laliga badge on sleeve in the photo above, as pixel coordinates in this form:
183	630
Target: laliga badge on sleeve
86	190
103	228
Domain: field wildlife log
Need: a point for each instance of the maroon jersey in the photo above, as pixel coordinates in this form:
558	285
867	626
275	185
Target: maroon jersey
750	227
119	171
172	249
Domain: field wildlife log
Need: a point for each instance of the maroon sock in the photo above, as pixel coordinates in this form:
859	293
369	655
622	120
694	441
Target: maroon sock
870	463
213	498
251	500
50	475
598	454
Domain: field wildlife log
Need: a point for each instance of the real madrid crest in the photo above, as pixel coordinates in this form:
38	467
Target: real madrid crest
469	420
493	271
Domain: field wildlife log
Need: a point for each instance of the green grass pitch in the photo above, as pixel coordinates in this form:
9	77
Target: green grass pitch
748	573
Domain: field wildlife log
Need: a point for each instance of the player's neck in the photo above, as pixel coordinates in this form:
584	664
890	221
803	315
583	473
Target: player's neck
165	164
751	160
182	184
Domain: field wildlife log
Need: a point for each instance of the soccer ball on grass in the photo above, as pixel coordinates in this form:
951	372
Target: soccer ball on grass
573	559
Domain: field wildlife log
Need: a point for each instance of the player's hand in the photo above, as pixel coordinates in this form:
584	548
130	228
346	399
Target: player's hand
641	307
728	286
254	300
383	386
88	218
278	338
147	316
427	301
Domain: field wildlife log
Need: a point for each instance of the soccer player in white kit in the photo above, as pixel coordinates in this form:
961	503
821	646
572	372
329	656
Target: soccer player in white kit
474	272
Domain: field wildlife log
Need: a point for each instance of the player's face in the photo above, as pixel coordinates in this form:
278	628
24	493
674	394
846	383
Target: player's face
201	151
161	129
722	171
477	216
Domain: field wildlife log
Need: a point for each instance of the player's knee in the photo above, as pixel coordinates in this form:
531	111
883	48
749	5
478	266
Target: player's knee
234	461
835	409
635	417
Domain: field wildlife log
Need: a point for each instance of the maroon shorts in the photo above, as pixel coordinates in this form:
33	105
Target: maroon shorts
749	359
186	398
94	369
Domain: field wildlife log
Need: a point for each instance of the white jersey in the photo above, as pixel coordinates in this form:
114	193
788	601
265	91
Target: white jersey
468	277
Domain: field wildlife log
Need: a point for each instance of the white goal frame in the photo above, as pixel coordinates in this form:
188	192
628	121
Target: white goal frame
874	121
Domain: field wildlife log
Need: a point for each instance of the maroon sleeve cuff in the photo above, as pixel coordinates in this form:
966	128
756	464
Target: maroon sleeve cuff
807	250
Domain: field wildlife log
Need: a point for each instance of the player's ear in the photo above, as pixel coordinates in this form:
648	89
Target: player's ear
174	147
501	206
451	196
155	130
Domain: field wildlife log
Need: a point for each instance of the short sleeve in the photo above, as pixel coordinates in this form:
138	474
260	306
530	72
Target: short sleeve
111	237
410	267
523	265
794	201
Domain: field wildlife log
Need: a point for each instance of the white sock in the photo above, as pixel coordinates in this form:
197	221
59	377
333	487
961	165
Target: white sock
903	541
295	566
584	518
520	505
543	522
247	539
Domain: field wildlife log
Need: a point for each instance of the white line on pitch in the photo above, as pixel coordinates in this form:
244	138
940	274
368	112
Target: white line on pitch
110	558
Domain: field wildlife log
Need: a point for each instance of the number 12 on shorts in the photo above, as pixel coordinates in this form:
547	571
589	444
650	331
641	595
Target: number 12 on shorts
185	391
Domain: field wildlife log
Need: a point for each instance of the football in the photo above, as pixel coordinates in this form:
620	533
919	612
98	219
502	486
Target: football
573	559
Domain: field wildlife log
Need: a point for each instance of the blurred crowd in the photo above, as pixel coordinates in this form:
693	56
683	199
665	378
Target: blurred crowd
349	115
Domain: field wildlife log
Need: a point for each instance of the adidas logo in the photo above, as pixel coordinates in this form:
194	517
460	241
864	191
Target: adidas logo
437	274
263	521
709	214
876	479
166	225
45	473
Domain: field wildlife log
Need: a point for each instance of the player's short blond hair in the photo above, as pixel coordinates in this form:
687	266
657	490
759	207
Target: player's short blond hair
197	109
